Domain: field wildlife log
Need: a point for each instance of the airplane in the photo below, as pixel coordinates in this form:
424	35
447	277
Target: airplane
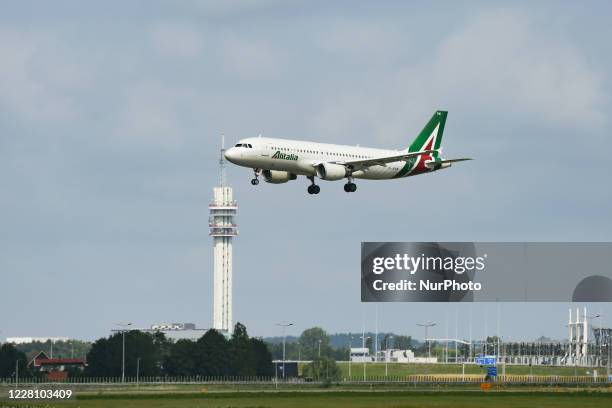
283	160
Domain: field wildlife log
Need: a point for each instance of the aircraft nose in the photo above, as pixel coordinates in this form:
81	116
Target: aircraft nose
231	154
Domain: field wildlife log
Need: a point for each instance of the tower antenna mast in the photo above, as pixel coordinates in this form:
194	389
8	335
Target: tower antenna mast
222	177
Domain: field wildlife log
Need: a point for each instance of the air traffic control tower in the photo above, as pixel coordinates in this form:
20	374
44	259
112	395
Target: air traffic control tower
223	229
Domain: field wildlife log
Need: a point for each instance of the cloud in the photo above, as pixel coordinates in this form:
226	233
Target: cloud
504	57
251	58
362	39
229	8
499	61
39	77
143	94
177	39
150	114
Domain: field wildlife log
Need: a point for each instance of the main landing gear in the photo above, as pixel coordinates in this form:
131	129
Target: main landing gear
313	188
255	181
350	187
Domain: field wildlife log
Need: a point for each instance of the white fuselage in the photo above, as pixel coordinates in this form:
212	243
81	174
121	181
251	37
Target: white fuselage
301	157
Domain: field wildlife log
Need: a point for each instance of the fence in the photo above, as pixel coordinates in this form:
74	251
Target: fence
409	379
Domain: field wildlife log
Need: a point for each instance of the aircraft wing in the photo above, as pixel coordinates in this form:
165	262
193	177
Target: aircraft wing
382	161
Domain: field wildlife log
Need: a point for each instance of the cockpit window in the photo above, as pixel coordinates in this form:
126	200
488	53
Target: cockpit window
249	146
238	145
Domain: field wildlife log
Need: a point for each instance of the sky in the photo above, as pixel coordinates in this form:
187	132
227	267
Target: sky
111	115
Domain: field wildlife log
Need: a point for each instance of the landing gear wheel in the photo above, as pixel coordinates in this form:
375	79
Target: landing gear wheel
314	189
350	187
255	180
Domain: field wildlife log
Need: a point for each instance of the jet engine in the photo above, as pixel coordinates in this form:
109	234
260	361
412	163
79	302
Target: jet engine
331	171
277	176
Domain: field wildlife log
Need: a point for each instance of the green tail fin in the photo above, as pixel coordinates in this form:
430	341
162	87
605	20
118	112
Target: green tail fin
430	137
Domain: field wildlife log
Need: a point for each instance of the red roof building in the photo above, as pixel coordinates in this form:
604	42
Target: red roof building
56	368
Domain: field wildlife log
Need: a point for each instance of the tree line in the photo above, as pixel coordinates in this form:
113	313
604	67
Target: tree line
212	355
56	349
12	360
315	343
154	355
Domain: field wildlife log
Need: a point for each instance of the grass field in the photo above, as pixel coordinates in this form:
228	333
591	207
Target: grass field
346	399
403	369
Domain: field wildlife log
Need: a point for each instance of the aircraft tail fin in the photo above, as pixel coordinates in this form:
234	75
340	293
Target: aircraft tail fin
430	137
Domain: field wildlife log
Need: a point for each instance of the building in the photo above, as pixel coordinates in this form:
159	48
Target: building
173	326
289	368
56	369
360	355
25	340
173	331
223	229
397	356
404	356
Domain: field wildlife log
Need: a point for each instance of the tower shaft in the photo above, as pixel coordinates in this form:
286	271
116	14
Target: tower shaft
223	229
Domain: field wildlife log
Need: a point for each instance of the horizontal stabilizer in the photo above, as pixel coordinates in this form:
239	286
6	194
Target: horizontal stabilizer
453	160
381	161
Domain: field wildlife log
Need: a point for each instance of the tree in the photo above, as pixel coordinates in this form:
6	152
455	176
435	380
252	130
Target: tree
105	357
402	342
340	353
263	358
310	340
213	354
9	356
181	358
162	347
292	350
61	349
322	369
242	357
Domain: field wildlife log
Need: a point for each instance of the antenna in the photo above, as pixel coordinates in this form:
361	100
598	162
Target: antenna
222	179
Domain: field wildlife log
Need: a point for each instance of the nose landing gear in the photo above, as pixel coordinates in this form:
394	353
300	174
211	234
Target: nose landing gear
255	181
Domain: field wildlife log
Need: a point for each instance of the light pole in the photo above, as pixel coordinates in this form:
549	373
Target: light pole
16	373
137	370
284	326
608	347
427	325
387	354
364	361
320	340
350	346
123	350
